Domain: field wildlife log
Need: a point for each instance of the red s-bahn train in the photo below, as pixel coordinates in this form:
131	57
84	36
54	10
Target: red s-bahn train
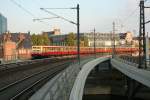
48	51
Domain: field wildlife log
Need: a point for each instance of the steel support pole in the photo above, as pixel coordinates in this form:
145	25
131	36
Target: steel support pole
113	53
130	88
147	51
94	45
140	41
78	34
133	87
142	44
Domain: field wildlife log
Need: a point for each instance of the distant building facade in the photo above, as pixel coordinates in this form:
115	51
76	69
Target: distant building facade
126	38
56	31
3	24
101	39
15	46
58	39
22	40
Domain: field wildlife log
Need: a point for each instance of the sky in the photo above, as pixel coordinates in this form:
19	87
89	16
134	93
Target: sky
98	14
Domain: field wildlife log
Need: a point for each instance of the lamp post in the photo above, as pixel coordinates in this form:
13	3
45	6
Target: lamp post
77	24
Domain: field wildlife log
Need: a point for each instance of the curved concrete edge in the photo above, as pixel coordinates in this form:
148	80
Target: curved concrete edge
77	90
140	75
41	93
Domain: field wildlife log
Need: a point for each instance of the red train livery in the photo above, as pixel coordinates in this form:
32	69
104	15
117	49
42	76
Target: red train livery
47	51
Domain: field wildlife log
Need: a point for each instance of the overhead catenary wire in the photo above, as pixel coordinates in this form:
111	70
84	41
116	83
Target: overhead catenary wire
44	18
134	11
60	8
27	11
44	9
130	15
125	21
21	7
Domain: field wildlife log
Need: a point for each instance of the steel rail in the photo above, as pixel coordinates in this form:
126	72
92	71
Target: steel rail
26	93
16	67
6	66
5	91
5	87
26	62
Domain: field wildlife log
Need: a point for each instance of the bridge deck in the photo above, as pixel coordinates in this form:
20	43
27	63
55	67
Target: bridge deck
69	81
140	75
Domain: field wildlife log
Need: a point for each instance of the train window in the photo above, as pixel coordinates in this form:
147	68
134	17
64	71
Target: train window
61	49
54	49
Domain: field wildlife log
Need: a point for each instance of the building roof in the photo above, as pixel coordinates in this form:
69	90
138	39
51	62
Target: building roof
16	37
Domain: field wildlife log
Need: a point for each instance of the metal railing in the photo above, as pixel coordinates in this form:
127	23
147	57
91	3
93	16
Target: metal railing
130	60
127	60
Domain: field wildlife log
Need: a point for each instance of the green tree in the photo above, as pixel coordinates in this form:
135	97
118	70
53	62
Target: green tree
34	39
83	41
40	39
45	40
71	39
86	41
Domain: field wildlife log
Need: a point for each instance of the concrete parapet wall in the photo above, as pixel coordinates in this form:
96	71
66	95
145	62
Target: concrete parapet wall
77	91
59	87
140	75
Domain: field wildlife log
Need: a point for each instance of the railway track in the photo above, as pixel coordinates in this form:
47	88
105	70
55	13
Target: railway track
10	67
13	74
24	88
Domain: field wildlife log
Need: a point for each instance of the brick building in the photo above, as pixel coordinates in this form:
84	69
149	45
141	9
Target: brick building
15	46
